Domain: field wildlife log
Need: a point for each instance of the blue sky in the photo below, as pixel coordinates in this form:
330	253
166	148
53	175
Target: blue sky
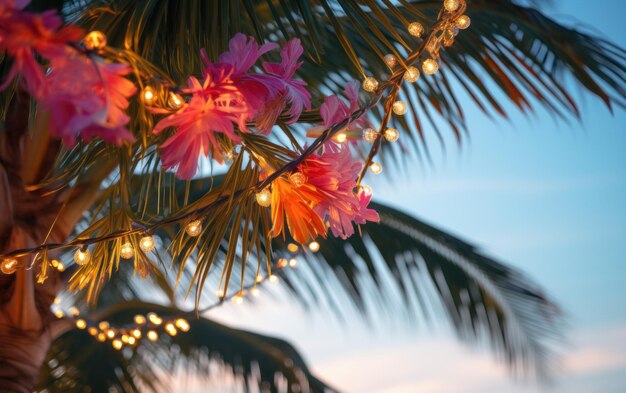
545	196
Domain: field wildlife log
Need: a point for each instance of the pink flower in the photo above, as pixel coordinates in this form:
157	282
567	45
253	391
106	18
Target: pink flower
334	110
333	173
23	33
86	97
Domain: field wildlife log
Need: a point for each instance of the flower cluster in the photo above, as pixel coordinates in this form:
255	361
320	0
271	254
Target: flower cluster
231	95
83	96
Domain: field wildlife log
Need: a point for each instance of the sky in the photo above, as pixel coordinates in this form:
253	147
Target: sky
542	195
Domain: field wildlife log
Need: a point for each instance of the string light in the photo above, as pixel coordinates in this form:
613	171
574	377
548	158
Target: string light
293	262
149	95
370	84
273	279
282	262
59	314
430	66
399	108
104	325
297	179
220	293
390	60
82	256
254	291
366	189
369	135
81	324
451	5
154	318
74	311
463	22
391	134
238	298
92	330
131	340
341	137
117	344
127	251
146	243
292	247
182	324
61	266
194	228
170	329
140	319
174	100
152	335
125	338
95	40
264	198
101	337
110	333
8	266
411	74
314	246
376	168
416	29
136	333
259	278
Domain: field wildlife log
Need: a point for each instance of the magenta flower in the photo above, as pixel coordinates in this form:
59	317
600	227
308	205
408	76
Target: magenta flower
86	97
22	34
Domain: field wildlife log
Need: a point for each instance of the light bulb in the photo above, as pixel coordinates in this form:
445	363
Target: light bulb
341	137
104	325
101	337
81	324
93	330
399	108
376	168
149	95
451	5
174	100
254	291
117	344
140	319
170	329
61	267
74	311
416	29
194	228
132	340
273	279
152	335
463	22
54	263
127	251
220	293
182	324
125	338
430	66
259	278
370	84
95	40
282	262
314	246
390	60
411	74
297	179
59	314
81	256
292	247
369	135
8	266
154	318
293	262
366	189
238	298
146	243
391	134
110	333
264	198
136	333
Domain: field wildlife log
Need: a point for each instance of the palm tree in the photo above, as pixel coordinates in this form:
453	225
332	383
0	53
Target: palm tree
513	52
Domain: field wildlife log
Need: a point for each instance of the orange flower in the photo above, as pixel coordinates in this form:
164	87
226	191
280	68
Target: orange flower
296	204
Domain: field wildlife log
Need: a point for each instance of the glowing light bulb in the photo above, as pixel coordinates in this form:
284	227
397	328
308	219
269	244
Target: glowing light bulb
293	262
220	293
463	22
54	263
125	338
61	267
430	66
8	265
132	340
110	333
297	179
101	337
127	251
341	137
411	74
391	135
399	108
416	29
82	256
366	189
95	40
273	279
370	84
376	168
314	246
104	325
74	311
154	318
182	324
59	314
93	330
170	329
174	100
238	298
282	262
81	324
391	60
293	247
140	319
146	243
117	344
136	333
259	278
254	291
149	95
152	335
194	228
369	135
264	198
451	5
